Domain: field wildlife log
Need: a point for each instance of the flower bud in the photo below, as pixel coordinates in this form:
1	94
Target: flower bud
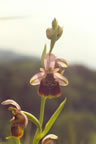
50	138
55	32
59	32
54	24
49	33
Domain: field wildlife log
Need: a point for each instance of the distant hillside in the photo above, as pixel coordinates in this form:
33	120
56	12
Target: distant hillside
9	56
18	70
79	115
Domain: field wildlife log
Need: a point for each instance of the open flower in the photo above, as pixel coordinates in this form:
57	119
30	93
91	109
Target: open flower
50	79
50	138
19	121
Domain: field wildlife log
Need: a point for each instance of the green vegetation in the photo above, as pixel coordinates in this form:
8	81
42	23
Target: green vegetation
76	125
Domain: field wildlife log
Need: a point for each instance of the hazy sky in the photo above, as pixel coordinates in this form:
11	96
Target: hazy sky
27	35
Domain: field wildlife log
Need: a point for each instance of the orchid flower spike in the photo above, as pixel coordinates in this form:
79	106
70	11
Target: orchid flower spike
50	138
50	79
19	121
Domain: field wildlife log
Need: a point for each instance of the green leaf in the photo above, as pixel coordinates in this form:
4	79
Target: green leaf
53	118
33	119
43	55
12	139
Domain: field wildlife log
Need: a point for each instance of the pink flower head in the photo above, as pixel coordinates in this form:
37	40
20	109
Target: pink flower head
50	138
50	79
19	121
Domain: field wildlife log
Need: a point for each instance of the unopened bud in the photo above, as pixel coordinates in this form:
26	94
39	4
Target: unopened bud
54	24
49	139
49	33
55	32
59	32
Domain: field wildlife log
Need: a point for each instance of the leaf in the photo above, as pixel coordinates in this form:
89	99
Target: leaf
43	55
33	119
53	118
9	137
13	139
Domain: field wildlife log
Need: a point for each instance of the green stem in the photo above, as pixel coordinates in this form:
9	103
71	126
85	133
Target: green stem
51	46
18	141
38	133
53	41
42	108
33	119
13	139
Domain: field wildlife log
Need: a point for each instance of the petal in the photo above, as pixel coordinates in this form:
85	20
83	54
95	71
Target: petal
12	119
35	80
56	70
12	102
61	79
61	62
49	138
19	119
49	61
26	119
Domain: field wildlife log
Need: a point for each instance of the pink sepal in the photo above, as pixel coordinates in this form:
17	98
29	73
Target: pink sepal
12	102
35	80
61	62
49	61
61	79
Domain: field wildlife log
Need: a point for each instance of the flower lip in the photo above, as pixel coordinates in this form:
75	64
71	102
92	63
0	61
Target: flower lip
49	137
49	87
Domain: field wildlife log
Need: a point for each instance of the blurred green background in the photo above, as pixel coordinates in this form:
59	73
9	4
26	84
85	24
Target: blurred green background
77	122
